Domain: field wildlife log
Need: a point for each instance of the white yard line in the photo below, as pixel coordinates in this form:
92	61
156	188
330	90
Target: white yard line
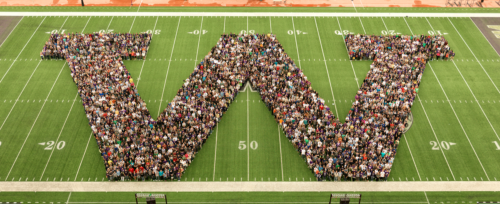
69	196
215	155
29	133
421	104
364	31
109	23
281	155
199	39
326	67
386	29
470	92
21	51
12	31
481	33
426	197
168	67
474	56
240	14
85	152
248	135
361	3
66	120
420	178
224	31
252	186
144	60
347	52
247	25
270	25
354	6
15	102
296	46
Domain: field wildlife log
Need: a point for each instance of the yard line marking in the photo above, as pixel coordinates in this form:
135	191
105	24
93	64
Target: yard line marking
67	116
144	60
296	46
326	66
12	31
247	25
270	25
362	4
15	102
347	51
248	137
412	157
57	140
43	105
81	161
481	33
224	31
109	24
68	197
215	156
354	6
386	29
281	155
426	197
473	55
361	24
453	109
168	67
21	50
199	39
471	89
435	136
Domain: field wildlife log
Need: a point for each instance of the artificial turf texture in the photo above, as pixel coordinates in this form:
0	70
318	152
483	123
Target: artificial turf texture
39	115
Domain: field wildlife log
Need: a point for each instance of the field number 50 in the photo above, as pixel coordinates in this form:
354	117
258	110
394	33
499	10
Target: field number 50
253	145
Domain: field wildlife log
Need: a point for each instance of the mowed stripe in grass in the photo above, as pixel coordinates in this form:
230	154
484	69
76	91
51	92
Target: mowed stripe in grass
265	161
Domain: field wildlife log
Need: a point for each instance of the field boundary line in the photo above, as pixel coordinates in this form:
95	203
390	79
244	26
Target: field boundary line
85	152
144	60
473	54
11	31
252	186
21	50
428	120
484	36
168	67
32	126
66	120
239	14
326	66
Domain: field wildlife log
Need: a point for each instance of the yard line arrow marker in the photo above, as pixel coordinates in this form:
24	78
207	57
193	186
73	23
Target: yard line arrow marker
277	79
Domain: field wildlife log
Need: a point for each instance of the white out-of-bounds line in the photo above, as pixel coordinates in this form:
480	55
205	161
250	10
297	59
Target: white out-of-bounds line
473	55
412	157
484	36
251	14
144	57
326	66
85	152
11	31
168	67
453	109
21	50
31	129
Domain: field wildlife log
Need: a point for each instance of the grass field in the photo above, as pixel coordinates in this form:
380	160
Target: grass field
45	136
251	197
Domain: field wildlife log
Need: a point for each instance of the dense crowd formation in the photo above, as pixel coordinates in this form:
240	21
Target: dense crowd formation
134	146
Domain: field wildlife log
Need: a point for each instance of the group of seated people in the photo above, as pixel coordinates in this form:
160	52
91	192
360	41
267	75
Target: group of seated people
136	147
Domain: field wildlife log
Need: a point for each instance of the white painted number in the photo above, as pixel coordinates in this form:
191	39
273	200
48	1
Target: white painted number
253	145
157	32
444	144
496	143
389	32
242	145
196	32
106	31
290	32
436	32
50	145
57	31
343	32
249	31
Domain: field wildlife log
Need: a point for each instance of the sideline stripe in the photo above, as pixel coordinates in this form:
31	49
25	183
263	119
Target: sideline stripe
238	14
231	186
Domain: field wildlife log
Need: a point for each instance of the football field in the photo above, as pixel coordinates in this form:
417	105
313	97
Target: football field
45	136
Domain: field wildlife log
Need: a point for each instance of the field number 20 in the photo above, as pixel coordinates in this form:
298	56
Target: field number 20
50	145
445	145
253	145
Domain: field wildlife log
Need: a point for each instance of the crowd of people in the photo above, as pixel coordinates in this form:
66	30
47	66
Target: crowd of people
134	146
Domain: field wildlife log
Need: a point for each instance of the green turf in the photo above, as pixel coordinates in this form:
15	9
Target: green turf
250	197
268	155
135	8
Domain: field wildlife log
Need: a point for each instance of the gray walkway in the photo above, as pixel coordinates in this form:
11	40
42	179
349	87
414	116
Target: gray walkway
250	186
276	14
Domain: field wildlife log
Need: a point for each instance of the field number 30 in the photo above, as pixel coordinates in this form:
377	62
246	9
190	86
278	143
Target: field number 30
253	145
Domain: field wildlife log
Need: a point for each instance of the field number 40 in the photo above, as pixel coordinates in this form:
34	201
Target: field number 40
243	146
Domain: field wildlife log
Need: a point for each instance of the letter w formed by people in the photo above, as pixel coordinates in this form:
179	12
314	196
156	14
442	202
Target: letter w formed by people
131	141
